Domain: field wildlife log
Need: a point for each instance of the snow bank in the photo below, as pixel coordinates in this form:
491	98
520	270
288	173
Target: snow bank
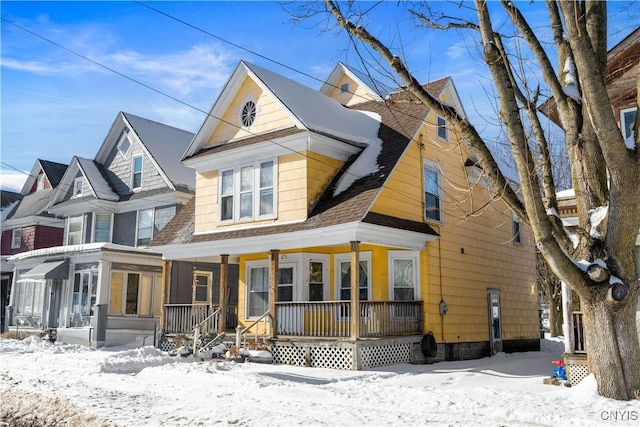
134	361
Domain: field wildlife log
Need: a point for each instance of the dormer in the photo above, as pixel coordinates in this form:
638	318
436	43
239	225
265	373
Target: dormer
268	149
349	86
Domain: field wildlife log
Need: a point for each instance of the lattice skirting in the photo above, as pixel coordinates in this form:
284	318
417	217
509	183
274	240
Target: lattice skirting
576	372
342	356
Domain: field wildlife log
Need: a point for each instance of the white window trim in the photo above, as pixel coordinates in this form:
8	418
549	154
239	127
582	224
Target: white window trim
133	172
66	234
40	183
256	193
405	255
95	221
77	180
16	236
434	166
445	127
153	219
338	258
622	121
124	136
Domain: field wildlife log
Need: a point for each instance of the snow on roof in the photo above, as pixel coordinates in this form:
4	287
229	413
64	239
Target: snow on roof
365	164
72	249
166	144
316	111
98	183
566	194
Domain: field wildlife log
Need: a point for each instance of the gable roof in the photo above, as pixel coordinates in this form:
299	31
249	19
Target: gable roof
377	89
52	170
94	176
165	145
308	109
400	119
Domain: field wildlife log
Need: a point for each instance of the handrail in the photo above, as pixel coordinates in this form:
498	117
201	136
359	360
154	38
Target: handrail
241	332
215	313
197	327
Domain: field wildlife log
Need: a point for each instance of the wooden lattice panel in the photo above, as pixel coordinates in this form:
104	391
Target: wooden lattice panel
320	357
383	355
576	373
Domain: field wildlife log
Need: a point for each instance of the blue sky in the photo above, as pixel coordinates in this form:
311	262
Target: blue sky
55	105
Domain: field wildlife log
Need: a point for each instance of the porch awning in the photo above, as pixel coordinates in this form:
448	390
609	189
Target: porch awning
56	270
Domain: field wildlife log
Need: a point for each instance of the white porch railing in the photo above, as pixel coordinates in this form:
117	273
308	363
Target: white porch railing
181	318
332	318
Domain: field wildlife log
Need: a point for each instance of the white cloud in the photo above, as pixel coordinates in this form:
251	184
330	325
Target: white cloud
13	181
203	66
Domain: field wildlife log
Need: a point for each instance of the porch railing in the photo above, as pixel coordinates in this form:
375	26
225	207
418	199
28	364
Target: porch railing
332	318
579	342
181	318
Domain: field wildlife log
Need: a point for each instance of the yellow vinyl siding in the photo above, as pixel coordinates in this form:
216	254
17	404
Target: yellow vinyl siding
292	192
490	258
320	171
206	209
269	116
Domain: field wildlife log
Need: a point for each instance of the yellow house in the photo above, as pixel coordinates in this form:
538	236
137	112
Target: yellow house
294	186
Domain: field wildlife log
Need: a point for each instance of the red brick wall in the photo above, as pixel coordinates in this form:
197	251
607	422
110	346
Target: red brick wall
33	237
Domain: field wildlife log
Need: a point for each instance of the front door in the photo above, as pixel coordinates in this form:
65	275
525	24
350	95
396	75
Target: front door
495	321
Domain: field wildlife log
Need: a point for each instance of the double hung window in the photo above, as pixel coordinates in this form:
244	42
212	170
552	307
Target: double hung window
432	192
144	227
247	192
102	228
16	238
136	172
74	230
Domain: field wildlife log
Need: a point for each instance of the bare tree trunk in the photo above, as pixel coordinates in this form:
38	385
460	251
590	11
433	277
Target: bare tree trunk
605	173
612	349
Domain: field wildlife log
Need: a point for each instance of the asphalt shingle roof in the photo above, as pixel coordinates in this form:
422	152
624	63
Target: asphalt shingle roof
401	117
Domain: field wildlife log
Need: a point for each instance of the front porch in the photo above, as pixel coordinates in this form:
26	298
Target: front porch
317	334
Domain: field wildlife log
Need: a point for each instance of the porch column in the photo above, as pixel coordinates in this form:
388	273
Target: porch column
355	290
164	290
567	313
273	292
224	267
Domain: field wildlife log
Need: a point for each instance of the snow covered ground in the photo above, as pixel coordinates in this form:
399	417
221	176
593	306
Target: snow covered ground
57	384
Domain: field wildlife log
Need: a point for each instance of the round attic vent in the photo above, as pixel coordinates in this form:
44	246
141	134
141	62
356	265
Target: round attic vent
248	113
